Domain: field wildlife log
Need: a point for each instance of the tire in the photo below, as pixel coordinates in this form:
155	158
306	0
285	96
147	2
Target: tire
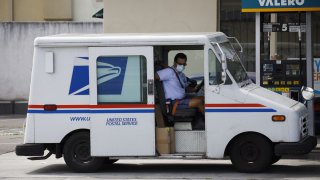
275	159
110	161
76	153
251	153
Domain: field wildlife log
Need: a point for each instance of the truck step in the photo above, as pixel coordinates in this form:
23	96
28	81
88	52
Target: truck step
181	156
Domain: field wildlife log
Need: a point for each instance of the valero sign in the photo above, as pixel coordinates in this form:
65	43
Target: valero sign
280	5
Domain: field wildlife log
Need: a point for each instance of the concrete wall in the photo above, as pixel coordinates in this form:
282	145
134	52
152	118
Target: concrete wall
57	10
49	10
160	16
16	50
6	10
28	10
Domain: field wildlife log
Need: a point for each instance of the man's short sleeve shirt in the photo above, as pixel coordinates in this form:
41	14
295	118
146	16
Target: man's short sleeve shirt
171	84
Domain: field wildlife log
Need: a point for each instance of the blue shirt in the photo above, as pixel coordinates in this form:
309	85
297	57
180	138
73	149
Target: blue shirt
171	84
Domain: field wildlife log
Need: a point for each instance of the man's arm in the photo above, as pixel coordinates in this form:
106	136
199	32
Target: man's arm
164	74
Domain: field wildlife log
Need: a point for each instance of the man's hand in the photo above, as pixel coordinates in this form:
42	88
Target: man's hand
196	88
190	89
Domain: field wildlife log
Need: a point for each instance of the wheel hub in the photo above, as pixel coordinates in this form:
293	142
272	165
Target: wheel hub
249	152
82	152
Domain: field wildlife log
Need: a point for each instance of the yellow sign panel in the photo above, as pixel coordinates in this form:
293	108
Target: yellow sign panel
282	89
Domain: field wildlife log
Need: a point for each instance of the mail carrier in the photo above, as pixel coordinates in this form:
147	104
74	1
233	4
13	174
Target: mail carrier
94	100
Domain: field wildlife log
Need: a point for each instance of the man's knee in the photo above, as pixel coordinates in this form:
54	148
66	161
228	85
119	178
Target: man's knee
195	102
201	98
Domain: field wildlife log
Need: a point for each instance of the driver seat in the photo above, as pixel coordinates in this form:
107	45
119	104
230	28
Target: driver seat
169	110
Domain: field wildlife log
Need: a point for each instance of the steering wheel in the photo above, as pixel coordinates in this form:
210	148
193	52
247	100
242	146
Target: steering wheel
200	86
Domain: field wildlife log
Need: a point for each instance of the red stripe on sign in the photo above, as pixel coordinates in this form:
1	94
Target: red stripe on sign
98	106
234	105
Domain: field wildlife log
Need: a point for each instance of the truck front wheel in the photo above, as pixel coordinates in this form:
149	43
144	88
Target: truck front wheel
251	153
76	153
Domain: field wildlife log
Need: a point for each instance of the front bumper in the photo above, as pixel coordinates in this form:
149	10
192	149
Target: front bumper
297	148
30	149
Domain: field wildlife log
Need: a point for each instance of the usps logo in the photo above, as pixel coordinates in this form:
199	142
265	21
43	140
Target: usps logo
110	75
80	77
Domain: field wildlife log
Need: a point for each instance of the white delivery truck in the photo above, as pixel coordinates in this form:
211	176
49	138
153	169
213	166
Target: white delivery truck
93	99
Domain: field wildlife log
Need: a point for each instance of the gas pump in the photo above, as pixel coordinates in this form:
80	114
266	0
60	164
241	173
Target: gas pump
283	53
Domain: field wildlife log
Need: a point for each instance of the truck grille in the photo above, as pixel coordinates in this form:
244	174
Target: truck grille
304	126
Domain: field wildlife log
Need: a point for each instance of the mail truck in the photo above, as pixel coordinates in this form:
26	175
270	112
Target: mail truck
94	100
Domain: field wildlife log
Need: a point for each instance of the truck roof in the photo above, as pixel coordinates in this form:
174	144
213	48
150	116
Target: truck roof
126	39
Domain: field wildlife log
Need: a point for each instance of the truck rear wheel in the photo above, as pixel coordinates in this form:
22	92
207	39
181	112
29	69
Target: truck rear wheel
77	154
251	153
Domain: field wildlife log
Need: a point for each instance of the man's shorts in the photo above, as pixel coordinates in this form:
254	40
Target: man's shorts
184	103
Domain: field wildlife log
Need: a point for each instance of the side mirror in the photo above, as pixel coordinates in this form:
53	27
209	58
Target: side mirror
307	93
224	68
224	62
223	77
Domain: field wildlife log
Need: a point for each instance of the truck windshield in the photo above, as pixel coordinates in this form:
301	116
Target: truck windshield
233	62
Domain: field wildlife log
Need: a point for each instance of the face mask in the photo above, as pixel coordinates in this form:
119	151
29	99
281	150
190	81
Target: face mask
180	68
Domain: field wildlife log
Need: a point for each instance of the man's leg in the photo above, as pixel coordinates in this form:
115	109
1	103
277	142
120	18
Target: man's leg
194	102
198	123
197	102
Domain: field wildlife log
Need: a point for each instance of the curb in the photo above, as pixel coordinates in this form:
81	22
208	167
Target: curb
11	132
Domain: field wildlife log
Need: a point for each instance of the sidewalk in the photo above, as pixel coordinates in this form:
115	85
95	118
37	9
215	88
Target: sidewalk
11	132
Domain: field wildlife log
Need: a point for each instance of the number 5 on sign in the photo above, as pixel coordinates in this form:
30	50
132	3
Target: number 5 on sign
284	27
